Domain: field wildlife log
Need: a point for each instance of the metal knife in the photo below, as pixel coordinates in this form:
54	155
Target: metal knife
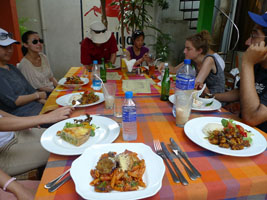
56	186
179	173
185	157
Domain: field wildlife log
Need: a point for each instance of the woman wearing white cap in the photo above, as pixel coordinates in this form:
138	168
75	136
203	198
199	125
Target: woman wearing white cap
100	43
17	96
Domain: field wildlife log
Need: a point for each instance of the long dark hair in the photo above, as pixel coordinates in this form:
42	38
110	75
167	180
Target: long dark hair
137	34
24	39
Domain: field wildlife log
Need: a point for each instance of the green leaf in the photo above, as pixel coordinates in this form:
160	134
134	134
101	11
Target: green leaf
224	122
209	104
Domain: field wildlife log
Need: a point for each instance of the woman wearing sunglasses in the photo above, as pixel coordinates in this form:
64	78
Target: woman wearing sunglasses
34	65
17	96
138	51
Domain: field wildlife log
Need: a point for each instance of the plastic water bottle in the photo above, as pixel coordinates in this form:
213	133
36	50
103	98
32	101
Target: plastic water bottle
185	76
129	130
185	83
96	70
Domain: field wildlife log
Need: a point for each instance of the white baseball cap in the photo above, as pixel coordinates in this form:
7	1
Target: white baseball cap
98	32
6	38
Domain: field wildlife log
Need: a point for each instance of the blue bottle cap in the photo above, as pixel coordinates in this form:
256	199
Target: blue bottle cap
187	61
95	62
128	94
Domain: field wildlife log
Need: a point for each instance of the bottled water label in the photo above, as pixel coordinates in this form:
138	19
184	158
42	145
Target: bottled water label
129	114
185	82
96	83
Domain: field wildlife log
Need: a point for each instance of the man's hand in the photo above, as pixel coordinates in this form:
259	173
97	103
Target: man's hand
255	54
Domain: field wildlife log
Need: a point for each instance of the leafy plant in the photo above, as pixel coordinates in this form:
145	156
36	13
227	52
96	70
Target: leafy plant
162	46
22	27
134	15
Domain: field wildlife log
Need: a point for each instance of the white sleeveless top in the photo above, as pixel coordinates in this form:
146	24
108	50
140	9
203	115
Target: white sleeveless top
220	60
5	137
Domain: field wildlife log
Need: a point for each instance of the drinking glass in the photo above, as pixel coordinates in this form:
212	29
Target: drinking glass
183	105
118	107
109	95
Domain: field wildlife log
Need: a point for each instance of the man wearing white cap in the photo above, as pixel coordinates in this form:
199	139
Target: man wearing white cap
17	96
100	43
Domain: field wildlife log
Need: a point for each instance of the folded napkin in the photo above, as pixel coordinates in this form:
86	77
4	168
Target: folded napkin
129	64
137	86
113	76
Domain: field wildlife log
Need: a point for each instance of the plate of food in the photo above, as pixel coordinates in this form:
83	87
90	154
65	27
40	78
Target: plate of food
73	81
225	136
72	136
198	105
87	98
124	166
111	66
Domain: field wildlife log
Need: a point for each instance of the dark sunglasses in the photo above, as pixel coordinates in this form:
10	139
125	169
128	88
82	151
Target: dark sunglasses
97	32
4	36
36	41
138	32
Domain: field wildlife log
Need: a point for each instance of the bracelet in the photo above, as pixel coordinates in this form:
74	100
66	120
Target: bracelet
8	182
37	94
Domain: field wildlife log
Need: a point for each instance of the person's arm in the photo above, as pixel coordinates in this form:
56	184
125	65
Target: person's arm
253	112
113	58
86	52
54	81
206	67
45	89
5	114
13	123
230	96
24	99
16	188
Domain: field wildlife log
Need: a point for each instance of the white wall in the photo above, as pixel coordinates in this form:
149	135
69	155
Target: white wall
61	27
59	23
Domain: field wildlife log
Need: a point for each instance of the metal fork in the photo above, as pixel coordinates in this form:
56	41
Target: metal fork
188	171
159	151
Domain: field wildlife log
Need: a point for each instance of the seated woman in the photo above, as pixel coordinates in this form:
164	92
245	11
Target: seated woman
34	65
138	51
209	65
17	96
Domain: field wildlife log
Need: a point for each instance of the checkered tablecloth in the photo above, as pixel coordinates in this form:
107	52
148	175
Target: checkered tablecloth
223	177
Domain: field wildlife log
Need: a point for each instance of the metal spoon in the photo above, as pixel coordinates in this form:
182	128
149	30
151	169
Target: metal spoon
51	183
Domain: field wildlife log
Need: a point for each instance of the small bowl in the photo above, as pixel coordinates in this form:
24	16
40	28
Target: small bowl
205	100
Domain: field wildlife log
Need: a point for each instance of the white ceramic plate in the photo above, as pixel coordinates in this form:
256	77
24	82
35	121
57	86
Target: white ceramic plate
65	100
80	171
216	105
193	130
171	76
107	132
114	67
63	80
